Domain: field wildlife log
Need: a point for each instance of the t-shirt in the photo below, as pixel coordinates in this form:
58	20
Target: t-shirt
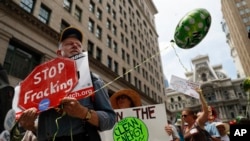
224	138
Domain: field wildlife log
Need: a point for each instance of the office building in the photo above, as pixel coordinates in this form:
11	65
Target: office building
236	24
119	35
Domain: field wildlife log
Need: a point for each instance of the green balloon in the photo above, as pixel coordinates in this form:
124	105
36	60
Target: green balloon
246	84
192	28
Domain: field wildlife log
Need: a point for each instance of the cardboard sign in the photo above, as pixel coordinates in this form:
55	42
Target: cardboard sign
47	84
184	86
144	123
85	87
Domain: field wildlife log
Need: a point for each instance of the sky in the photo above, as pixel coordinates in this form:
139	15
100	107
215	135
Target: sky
214	44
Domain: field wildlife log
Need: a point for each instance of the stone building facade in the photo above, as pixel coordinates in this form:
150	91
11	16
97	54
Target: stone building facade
220	91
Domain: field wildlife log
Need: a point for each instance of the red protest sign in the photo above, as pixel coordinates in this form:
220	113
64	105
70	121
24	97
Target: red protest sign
47	84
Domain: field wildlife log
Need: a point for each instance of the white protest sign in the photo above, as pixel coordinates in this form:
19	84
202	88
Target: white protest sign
85	87
184	86
144	123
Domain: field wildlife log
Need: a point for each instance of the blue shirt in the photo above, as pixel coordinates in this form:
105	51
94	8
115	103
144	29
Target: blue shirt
50	121
211	129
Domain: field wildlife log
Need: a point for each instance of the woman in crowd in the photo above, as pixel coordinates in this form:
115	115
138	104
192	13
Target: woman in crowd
194	131
126	98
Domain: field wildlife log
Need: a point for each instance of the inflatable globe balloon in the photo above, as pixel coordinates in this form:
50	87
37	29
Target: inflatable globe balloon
246	84
192	28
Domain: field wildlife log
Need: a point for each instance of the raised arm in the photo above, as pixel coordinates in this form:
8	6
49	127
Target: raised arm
202	117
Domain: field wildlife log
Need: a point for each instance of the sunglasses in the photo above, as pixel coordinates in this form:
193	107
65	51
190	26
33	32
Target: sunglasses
184	116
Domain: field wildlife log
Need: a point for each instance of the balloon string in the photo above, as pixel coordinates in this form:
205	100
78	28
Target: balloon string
57	125
146	60
176	54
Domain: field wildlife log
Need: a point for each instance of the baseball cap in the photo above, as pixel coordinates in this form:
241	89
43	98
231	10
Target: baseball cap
71	32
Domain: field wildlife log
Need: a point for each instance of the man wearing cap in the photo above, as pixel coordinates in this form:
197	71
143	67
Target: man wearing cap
83	118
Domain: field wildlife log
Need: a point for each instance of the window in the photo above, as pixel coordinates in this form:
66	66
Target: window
78	13
67	5
113	1
115	47
100	1
44	14
99	14
115	67
109	63
114	30
122	38
124	73
128	58
99	32
98	54
121	23
108	8
108	24
120	9
126	42
19	60
64	24
139	84
114	14
28	5
123	54
92	7
91	25
126	28
90	48
129	77
135	79
108	42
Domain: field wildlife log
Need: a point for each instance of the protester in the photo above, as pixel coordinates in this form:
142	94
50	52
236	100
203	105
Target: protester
210	124
6	96
83	118
172	131
126	98
223	129
195	131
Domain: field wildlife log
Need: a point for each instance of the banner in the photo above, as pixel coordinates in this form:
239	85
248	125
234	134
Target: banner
184	86
144	123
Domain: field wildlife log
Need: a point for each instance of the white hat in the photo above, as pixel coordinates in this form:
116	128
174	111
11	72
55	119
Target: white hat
224	124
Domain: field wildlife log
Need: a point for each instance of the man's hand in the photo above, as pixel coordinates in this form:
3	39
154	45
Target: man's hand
27	119
73	108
